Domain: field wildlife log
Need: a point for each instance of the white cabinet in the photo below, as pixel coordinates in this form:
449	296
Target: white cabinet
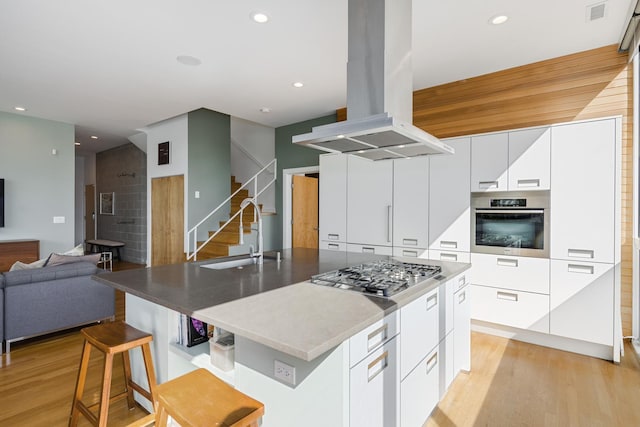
411	202
529	154
489	162
370	206
333	197
419	392
524	310
462	330
582	301
370	249
372	337
583	198
449	204
419	331
510	272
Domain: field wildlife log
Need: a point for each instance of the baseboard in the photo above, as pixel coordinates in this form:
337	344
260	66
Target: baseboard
552	341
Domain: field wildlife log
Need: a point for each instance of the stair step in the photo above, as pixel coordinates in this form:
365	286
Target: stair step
213	250
231	237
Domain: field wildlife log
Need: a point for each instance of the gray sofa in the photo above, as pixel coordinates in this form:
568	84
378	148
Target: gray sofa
48	299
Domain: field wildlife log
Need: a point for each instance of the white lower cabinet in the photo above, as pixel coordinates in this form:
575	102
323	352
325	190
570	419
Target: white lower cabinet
511	272
419	320
370	249
462	330
582	301
374	392
524	310
419	391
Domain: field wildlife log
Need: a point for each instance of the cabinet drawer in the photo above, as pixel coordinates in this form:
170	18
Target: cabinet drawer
450	256
333	246
518	309
582	301
447	294
411	252
419	391
510	272
420	334
374	388
370	249
372	337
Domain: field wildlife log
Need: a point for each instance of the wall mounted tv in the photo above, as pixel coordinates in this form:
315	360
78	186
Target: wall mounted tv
1	202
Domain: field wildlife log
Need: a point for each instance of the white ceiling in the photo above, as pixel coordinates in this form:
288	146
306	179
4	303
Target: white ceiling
110	67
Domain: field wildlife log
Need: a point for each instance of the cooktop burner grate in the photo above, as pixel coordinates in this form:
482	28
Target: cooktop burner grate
379	278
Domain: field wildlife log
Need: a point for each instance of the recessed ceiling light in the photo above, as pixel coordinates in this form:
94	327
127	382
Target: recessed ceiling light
77	143
265	110
19	108
259	17
360	151
340	136
188	60
498	19
298	84
94	137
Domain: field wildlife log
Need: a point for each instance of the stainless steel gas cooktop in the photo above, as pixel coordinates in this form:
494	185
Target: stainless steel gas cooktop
379	278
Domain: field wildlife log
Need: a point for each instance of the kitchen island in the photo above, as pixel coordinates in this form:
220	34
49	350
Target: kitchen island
278	316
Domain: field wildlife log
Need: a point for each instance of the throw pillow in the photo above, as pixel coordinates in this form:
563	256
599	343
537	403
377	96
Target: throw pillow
58	259
18	265
77	251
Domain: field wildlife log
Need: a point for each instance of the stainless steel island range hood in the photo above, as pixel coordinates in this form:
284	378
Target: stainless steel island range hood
379	89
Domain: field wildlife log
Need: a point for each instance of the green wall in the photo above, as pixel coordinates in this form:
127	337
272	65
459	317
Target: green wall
38	184
209	136
292	156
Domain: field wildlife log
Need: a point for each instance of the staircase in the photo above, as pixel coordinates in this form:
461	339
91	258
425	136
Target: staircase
230	235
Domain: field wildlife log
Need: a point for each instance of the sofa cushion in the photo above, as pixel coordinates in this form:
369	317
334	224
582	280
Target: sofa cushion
19	265
58	259
21	277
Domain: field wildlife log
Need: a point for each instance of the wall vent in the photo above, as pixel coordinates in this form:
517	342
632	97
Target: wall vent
595	11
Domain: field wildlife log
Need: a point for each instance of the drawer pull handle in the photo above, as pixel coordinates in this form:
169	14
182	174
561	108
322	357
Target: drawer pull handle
506	262
333	246
582	269
462	281
528	183
380	363
432	301
432	362
368	250
410	242
507	296
580	253
333	236
448	257
488	184
463	296
381	333
448	244
413	254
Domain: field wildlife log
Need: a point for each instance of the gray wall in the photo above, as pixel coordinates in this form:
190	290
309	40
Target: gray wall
38	184
293	156
123	171
209	134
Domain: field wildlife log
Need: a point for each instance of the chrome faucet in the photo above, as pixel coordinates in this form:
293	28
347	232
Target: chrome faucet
258	254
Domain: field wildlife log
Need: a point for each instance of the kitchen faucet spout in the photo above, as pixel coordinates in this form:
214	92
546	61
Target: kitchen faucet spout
258	254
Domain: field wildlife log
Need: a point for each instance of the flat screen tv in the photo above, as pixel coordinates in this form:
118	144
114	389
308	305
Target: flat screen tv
1	202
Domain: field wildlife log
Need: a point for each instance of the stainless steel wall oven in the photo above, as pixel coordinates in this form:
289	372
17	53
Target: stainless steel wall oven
510	223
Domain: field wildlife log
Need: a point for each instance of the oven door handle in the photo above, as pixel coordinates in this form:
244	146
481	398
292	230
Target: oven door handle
508	211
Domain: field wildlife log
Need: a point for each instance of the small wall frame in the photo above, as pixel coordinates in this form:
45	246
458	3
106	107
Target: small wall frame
107	203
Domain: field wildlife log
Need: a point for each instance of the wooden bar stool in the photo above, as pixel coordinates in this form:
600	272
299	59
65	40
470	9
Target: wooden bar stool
199	399
112	338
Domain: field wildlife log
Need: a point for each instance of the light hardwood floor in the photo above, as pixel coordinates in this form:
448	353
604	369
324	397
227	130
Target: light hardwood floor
511	384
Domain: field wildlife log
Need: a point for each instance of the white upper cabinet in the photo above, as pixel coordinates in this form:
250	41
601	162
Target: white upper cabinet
370	205
489	162
529	154
583	191
411	202
333	197
449	188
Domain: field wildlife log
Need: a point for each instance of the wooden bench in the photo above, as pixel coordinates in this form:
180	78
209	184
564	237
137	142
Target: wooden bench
102	245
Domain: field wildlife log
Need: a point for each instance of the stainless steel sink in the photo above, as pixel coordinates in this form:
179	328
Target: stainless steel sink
238	263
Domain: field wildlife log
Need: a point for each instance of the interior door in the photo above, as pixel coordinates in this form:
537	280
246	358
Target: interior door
89	212
167	220
304	206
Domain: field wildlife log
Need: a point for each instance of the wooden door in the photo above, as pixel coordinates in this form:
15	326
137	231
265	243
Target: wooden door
304	206
167	220
89	212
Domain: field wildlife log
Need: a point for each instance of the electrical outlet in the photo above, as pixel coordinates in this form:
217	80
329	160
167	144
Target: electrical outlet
284	372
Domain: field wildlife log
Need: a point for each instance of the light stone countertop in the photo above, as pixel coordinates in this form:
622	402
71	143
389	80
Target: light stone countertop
275	304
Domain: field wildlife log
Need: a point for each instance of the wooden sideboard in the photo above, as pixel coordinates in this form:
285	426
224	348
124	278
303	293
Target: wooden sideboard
18	250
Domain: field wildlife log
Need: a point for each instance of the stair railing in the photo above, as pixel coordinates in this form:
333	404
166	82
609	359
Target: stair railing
192	234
